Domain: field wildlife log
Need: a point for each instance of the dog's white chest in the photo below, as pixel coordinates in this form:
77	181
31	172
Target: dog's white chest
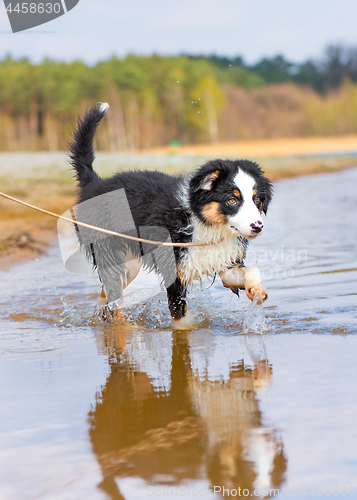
206	261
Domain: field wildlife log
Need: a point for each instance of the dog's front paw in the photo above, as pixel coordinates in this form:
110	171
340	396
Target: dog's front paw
256	292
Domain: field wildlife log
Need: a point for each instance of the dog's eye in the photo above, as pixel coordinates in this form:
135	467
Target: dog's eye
232	201
256	199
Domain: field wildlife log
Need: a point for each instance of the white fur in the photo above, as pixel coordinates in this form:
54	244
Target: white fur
248	213
103	107
207	260
237	276
183	191
253	275
233	277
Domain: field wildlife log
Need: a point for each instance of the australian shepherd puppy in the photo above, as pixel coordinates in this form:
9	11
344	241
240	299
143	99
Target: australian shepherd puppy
218	208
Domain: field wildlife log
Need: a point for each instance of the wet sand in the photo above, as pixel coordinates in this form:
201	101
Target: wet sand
23	245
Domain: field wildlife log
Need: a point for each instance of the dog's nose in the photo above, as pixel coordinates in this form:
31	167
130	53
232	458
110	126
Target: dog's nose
257	227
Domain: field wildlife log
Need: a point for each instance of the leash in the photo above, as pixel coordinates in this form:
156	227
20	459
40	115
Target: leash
107	231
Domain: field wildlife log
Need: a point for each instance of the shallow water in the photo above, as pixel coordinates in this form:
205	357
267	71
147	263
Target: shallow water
252	398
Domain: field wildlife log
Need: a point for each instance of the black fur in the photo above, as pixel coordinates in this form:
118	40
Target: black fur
81	151
161	207
222	186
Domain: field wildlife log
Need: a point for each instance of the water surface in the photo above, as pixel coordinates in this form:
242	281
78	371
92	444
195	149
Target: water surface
251	398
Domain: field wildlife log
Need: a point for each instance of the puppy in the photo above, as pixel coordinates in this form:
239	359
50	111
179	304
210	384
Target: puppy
218	208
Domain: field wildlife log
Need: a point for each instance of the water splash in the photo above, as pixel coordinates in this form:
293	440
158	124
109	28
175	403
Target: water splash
147	308
254	319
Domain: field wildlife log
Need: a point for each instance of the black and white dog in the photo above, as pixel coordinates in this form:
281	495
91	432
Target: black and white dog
218	205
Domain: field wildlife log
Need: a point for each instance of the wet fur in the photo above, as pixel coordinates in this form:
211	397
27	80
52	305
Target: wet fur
187	208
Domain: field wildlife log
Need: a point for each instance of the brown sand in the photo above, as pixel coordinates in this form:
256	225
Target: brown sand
22	244
267	148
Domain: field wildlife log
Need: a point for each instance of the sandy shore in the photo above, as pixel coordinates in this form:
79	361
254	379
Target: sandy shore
22	245
267	148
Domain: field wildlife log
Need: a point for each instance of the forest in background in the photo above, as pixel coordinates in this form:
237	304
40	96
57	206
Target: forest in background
161	100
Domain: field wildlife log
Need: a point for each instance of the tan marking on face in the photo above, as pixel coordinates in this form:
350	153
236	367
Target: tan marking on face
236	193
254	192
212	214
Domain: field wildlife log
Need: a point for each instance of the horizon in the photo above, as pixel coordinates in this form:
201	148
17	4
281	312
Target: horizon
316	60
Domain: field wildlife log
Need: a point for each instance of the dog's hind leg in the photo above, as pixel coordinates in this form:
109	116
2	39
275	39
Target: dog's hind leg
133	266
103	298
115	280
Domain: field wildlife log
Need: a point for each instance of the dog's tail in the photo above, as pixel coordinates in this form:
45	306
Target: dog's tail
81	151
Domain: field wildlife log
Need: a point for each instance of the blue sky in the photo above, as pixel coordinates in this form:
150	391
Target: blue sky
94	30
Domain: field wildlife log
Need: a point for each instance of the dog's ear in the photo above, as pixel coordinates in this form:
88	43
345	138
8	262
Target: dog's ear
268	194
208	181
205	182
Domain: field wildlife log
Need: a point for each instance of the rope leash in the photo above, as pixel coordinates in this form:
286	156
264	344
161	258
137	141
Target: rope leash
107	231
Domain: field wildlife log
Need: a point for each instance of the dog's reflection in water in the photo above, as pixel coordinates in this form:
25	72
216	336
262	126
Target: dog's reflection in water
162	417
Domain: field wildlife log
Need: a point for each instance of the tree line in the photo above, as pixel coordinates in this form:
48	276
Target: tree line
159	100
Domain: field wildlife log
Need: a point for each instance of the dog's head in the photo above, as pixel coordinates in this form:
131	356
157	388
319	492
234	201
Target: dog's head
231	193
